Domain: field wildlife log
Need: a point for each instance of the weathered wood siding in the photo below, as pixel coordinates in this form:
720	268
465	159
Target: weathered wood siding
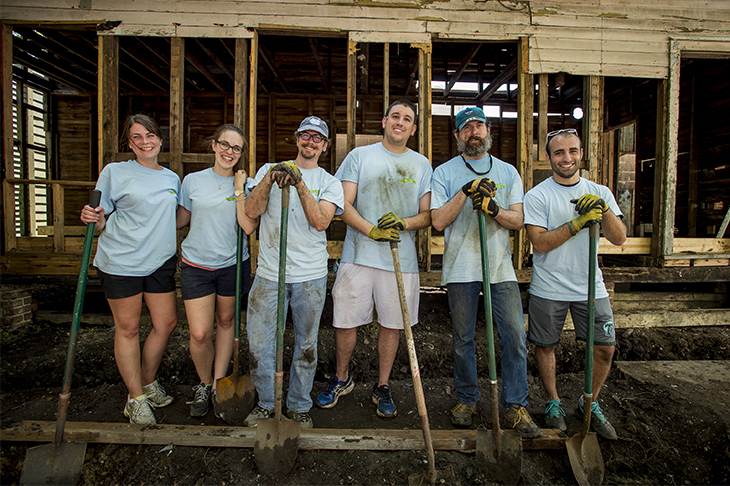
592	37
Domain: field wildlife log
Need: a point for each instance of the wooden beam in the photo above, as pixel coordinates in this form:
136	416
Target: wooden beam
266	56
58	219
694	159
425	142
271	152
460	70
351	93
31	57
525	101
593	126
386	76
203	70
318	63
252	104
177	103
240	85
50	47
8	191
108	99
214	57
152	66
542	115
244	437
503	77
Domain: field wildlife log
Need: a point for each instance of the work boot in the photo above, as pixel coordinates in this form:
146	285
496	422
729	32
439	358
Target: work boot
305	420
554	414
156	395
201	403
599	423
257	413
520	420
335	389
461	414
138	411
381	397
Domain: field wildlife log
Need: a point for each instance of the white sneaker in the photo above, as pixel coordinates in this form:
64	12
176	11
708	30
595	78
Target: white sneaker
156	395
138	411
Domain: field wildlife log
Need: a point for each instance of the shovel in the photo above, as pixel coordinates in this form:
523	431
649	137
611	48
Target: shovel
433	476
60	462
277	439
499	455
583	450
235	395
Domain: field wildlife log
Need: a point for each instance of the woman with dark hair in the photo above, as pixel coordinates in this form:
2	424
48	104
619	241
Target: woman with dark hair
136	261
213	202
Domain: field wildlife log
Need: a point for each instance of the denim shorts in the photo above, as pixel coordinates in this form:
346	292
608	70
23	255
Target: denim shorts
196	282
161	281
547	318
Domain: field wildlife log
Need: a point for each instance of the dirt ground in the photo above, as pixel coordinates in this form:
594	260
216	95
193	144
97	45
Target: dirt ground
672	429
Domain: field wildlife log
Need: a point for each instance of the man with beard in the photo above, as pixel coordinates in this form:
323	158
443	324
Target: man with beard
557	214
494	187
318	196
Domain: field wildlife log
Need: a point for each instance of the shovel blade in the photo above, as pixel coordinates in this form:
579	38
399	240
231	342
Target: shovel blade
52	464
586	459
276	446
235	397
499	458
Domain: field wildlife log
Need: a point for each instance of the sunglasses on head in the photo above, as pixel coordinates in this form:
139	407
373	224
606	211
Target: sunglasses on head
555	133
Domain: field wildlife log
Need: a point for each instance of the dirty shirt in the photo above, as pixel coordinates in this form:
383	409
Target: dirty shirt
386	182
306	248
462	251
562	274
140	205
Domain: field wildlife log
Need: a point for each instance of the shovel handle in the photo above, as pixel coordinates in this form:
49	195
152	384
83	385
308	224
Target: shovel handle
281	309
592	264
239	289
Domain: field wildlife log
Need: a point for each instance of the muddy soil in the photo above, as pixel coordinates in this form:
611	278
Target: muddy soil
670	432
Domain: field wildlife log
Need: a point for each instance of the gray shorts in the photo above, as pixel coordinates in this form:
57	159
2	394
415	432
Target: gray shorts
547	318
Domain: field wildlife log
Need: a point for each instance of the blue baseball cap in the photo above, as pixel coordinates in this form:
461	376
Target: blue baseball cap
468	114
316	124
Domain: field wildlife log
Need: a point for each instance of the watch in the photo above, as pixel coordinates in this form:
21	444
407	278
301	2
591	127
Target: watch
239	192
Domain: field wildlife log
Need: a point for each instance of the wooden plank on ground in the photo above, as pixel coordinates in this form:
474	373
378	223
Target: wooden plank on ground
244	437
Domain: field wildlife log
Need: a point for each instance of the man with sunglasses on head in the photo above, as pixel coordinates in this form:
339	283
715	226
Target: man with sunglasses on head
558	212
475	181
318	197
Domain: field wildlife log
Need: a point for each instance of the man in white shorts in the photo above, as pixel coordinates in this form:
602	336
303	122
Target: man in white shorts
557	214
387	198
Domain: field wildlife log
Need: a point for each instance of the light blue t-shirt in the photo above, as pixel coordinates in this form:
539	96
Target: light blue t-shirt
306	248
386	182
562	274
210	199
140	205
462	252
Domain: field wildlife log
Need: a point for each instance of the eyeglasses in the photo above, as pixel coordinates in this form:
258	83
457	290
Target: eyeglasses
555	133
225	146
316	137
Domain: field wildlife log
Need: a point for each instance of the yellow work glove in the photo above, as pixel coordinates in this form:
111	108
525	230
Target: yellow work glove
291	169
589	201
486	204
482	185
384	234
391	220
588	218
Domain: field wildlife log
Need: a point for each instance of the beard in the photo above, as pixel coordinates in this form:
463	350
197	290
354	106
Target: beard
478	149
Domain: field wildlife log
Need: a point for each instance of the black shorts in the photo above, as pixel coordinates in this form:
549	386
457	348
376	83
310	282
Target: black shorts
196	282
161	281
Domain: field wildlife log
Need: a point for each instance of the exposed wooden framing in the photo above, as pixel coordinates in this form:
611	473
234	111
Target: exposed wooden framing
177	103
503	77
542	115
240	84
163	60
58	218
272	129
525	101
592	125
462	67
386	76
214	57
149	65
365	69
412	76
694	162
332	149
203	70
252	103
351	93
66	76
318	63
7	98
266	56
108	98
42	42
425	142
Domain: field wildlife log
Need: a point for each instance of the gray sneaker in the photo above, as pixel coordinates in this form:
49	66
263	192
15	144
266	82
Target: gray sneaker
156	395
599	423
138	411
305	420
257	413
201	403
461	414
554	414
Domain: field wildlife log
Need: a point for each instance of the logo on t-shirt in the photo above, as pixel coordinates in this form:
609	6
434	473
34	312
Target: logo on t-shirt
408	180
172	191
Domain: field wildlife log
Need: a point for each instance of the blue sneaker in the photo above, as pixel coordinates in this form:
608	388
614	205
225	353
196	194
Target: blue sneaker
599	423
554	414
382	398
335	389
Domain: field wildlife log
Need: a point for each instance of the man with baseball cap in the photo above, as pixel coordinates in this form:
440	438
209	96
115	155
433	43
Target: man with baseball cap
318	198
494	187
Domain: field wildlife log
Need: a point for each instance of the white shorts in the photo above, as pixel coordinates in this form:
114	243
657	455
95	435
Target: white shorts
358	287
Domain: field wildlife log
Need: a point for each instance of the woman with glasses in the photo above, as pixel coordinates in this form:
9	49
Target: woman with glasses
213	203
136	261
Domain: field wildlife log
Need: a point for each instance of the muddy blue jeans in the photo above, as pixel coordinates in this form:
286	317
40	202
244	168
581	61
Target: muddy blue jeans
307	302
510	324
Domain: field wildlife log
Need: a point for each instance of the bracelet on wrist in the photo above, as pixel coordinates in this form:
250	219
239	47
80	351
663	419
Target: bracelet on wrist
570	228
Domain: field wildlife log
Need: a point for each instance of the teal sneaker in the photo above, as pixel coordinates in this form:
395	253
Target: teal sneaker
599	423
554	414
